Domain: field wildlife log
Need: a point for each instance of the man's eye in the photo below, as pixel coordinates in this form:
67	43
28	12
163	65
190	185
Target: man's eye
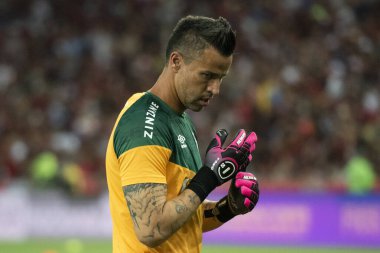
206	76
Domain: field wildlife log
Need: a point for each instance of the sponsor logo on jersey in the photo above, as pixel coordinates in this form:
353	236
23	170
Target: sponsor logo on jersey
182	140
149	120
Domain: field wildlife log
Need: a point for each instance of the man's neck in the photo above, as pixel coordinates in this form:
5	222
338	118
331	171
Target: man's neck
164	88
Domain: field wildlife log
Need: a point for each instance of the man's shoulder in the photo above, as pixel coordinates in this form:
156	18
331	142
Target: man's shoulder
142	123
143	112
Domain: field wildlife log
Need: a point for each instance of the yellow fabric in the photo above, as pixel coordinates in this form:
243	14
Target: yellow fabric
147	164
210	224
144	157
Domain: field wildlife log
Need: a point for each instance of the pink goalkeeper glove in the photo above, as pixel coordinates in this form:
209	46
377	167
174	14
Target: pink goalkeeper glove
244	193
242	197
226	162
222	164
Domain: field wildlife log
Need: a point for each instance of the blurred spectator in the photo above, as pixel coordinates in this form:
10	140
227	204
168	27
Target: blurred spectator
305	78
44	169
360	177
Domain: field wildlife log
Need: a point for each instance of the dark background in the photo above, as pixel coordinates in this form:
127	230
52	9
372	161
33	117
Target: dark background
305	77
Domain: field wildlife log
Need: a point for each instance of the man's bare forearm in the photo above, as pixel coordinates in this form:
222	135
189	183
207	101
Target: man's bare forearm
156	219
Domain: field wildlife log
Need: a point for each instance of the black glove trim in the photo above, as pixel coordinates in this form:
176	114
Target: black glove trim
208	213
222	210
204	182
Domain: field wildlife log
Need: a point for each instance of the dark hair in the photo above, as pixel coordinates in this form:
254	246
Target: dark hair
193	34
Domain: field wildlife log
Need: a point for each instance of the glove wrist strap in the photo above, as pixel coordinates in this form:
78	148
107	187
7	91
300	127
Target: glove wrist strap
222	210
203	183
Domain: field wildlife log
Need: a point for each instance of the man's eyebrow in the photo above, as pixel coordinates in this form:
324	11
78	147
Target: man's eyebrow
213	74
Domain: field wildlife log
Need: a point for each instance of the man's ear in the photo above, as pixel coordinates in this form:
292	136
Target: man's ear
175	61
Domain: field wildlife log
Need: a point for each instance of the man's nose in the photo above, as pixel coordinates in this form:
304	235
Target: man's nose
214	86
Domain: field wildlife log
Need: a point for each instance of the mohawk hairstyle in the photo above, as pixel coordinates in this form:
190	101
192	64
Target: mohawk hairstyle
193	34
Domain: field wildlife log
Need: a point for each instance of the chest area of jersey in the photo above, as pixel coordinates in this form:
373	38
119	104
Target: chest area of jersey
185	146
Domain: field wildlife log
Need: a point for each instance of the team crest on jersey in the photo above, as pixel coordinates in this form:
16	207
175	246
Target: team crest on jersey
182	140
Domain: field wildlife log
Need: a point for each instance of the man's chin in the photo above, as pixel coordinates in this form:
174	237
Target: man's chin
195	108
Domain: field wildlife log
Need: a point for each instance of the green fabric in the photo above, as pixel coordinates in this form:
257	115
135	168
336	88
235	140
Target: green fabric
150	121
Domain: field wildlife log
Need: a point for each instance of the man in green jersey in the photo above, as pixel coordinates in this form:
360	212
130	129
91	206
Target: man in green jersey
157	181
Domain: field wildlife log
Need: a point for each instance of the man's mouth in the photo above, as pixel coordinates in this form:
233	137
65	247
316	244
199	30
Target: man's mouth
205	101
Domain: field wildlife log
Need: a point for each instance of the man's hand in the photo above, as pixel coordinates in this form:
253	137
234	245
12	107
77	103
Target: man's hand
244	193
226	162
242	197
222	164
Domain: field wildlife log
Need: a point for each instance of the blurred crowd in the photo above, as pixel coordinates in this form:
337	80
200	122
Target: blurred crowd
305	77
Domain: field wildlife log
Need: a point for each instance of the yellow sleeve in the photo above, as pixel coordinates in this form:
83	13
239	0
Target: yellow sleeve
144	164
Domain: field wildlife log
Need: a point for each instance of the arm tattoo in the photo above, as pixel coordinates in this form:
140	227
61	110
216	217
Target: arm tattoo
143	200
193	199
180	208
154	217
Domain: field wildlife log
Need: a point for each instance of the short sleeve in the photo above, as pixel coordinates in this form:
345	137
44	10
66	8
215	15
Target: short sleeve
142	143
144	164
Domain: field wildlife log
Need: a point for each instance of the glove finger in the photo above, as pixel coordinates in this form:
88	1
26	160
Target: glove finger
250	140
246	191
222	136
245	148
250	194
239	138
244	183
249	143
242	156
249	204
219	139
247	183
245	176
255	197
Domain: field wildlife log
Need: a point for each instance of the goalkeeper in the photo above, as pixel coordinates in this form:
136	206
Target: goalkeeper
157	181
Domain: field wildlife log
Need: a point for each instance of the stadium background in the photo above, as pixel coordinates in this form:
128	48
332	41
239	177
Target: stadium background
305	77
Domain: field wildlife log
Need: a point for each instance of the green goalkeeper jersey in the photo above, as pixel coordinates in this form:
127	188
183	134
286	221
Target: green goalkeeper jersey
151	143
